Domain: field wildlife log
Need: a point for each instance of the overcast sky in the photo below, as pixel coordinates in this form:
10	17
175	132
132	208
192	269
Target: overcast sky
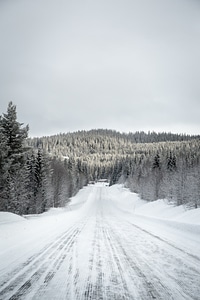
120	64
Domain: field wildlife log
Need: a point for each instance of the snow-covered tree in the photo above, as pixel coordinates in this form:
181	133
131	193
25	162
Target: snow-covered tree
12	158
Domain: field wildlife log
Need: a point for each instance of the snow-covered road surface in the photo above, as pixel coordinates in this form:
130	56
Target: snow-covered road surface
99	250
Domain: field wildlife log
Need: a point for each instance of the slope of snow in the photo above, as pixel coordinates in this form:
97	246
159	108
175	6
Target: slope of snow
7	217
162	210
159	209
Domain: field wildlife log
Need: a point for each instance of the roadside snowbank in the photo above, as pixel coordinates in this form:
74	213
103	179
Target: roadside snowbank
159	209
7	217
163	210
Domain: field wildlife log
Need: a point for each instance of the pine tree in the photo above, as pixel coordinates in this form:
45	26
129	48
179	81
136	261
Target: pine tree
15	135
31	183
156	175
12	158
171	162
156	162
59	183
4	167
42	187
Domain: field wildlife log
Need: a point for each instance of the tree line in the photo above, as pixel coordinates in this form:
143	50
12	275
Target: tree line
39	173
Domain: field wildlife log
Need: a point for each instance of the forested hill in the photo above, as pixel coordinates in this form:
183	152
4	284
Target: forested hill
101	142
155	165
39	173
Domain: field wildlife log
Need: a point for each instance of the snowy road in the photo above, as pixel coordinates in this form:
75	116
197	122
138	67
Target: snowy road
97	251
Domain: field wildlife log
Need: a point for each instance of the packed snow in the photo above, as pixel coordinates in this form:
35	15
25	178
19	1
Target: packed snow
106	244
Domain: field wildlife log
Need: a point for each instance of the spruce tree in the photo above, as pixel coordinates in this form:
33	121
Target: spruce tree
12	158
156	175
14	134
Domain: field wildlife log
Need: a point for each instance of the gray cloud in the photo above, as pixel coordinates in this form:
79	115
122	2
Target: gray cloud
126	65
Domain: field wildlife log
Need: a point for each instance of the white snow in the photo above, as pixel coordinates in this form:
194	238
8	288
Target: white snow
106	244
163	210
157	209
7	217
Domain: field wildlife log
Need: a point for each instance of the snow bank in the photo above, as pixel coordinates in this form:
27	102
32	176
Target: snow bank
7	217
163	210
190	216
124	199
159	209
79	199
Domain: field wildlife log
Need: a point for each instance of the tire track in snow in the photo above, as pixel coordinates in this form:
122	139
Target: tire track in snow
167	283
139	286
145	287
121	280
40	267
113	274
118	287
94	282
167	242
106	278
73	275
126	276
143	281
189	266
65	283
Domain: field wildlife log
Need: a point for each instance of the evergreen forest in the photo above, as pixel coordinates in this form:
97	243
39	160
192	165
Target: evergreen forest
39	173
